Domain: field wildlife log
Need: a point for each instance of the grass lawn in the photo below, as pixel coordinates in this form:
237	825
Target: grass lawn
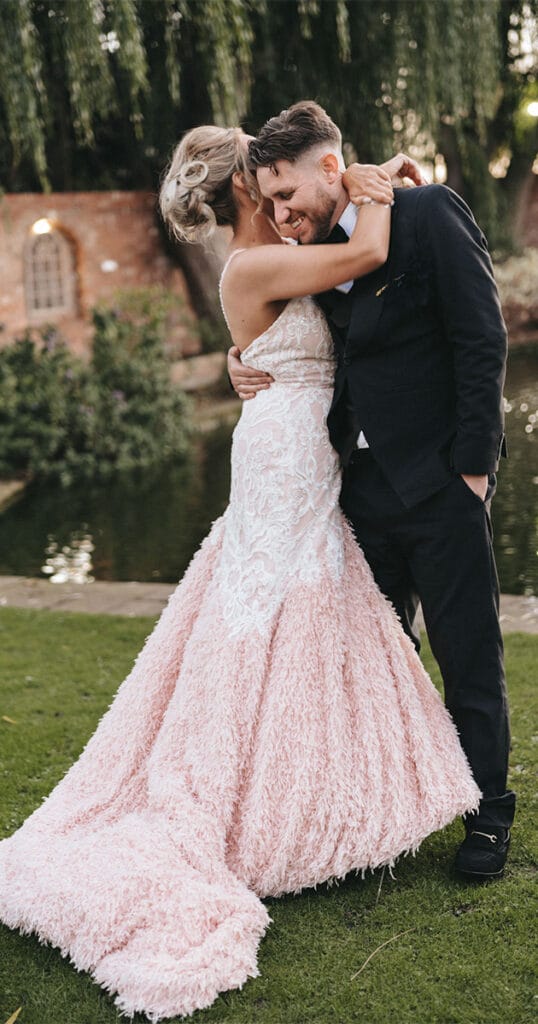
466	954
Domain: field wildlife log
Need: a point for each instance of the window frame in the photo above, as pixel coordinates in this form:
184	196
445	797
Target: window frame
66	277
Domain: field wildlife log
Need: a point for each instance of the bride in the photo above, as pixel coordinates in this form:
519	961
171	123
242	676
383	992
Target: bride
277	729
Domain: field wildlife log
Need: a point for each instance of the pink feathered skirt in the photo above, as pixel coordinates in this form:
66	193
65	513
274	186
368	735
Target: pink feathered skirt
230	767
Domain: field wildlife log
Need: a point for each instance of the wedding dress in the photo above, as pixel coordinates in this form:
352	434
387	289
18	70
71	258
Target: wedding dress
277	729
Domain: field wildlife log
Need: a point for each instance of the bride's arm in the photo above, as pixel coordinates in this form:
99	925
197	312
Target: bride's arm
276	272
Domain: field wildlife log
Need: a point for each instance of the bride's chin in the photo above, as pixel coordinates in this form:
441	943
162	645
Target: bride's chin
306	234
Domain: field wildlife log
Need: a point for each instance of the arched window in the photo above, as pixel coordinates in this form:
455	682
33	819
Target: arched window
49	274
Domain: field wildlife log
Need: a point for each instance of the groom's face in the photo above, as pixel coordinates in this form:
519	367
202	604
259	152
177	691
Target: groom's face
305	197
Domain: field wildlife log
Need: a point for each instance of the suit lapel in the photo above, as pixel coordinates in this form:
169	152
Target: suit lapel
368	297
337	307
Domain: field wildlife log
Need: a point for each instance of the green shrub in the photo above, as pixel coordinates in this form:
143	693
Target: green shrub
42	390
139	415
62	418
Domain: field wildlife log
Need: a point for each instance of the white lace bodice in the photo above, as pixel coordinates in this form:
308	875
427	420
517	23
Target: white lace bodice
297	348
283	522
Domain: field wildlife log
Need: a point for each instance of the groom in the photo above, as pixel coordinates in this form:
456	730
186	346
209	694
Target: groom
416	417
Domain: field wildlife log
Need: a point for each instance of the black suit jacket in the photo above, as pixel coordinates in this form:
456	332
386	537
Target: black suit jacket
421	346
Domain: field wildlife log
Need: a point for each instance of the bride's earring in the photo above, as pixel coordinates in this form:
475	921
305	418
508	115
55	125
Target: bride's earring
253	195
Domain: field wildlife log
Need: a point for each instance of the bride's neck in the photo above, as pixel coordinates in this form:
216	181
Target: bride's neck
254	228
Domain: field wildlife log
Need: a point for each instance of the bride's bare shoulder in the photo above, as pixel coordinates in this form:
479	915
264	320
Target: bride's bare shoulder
244	269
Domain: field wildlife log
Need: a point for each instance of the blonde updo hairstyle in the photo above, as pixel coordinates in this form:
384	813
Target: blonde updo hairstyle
197	191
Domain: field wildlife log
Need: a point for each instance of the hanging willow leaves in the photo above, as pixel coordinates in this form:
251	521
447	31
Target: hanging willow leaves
94	93
124	28
342	31
172	40
89	78
225	36
22	91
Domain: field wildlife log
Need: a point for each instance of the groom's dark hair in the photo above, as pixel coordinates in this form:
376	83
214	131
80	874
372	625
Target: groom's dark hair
292	133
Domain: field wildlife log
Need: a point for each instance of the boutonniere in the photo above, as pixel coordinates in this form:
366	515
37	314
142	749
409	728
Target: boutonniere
395	280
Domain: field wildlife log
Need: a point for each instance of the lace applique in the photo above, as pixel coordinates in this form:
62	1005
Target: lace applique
283	524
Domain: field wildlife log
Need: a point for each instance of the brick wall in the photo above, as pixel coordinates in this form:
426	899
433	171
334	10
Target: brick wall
113	242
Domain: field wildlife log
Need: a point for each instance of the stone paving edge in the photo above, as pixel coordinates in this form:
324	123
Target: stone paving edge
518	614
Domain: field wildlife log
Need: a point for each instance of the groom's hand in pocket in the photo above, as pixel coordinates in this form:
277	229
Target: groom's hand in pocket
245	380
478	484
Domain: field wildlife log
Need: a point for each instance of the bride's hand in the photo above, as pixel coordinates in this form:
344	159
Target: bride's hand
367	182
403	166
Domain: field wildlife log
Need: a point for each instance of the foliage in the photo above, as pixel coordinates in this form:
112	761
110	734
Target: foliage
139	414
62	418
117	81
56	76
166	311
397	58
60	672
42	391
517	277
77	73
448	77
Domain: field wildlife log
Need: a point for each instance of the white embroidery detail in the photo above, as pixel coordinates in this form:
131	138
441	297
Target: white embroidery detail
283	524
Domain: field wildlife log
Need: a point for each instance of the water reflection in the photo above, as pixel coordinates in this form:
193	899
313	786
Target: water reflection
71	564
148	525
515	511
145	526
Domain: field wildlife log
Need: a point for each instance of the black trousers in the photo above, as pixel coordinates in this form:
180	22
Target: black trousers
440	552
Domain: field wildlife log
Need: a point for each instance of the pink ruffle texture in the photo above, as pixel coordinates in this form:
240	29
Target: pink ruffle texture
229	769
277	729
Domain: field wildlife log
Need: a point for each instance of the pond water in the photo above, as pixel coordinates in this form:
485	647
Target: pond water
148	525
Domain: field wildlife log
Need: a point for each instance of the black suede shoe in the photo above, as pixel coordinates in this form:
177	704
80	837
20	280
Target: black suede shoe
483	853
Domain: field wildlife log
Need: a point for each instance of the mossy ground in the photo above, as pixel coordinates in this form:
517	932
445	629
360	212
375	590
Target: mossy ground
466	955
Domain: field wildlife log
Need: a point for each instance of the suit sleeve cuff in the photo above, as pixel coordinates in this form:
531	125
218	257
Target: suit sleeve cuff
473	458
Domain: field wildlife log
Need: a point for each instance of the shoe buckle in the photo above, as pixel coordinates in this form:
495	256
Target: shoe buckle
492	838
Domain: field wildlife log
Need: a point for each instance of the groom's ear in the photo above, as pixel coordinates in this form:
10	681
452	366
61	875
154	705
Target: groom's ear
330	167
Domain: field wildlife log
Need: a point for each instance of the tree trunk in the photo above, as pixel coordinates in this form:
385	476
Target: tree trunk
202	266
450	150
518	187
